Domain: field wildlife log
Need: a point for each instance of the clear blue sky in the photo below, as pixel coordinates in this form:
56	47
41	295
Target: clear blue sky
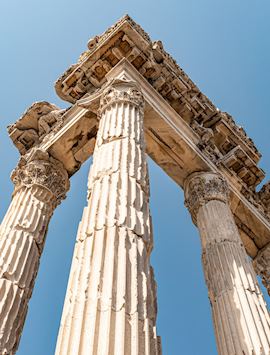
224	47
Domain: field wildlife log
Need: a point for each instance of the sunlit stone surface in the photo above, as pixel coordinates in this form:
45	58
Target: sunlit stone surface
241	319
110	306
40	184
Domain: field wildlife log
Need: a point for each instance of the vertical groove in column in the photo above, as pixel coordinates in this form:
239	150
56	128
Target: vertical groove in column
241	319
115	293
230	275
22	237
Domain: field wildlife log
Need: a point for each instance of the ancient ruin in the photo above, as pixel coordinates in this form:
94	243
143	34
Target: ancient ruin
129	98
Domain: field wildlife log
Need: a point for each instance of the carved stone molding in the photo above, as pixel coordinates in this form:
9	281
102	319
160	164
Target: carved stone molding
40	169
121	91
262	266
35	123
201	187
206	143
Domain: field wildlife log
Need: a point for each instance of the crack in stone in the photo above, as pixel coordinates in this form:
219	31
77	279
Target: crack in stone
10	279
113	139
124	226
110	172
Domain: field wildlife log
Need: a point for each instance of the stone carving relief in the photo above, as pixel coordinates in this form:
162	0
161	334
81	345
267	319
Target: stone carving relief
38	120
260	200
97	40
221	139
38	168
121	91
262	266
118	175
206	143
264	196
203	187
126	39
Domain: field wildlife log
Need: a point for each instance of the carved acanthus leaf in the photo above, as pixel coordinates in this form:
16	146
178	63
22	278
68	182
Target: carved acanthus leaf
121	91
40	169
203	187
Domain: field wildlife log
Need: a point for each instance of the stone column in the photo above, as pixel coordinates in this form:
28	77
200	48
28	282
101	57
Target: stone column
262	266
110	305
40	183
240	316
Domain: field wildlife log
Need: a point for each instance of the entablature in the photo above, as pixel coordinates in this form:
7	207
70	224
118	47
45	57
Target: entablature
184	131
128	40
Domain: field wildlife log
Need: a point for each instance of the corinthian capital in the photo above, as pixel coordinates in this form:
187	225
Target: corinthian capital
121	91
39	169
202	187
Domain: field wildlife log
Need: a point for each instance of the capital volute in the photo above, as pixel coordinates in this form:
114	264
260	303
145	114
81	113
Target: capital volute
202	187
121	91
40	169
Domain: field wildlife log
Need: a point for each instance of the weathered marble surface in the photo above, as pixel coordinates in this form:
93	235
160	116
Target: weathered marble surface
110	306
40	184
217	142
241	319
184	133
262	266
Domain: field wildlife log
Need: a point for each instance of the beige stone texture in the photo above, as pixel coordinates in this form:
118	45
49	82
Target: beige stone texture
184	133
241	319
40	184
110	306
262	266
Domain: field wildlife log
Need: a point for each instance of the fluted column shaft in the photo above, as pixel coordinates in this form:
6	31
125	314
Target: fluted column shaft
241	319
40	184
110	306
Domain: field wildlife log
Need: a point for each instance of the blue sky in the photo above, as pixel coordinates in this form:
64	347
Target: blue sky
224	47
